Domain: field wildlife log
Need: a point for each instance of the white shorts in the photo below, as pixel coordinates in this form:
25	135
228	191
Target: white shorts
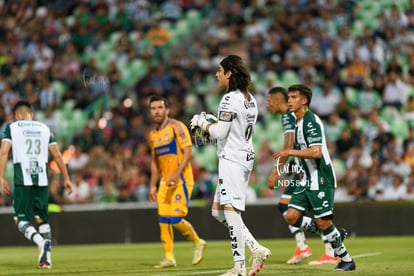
233	180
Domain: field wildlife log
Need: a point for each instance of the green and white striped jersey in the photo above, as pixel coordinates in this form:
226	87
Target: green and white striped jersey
310	132
30	142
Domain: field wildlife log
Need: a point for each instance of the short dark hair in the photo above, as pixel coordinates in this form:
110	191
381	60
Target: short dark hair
22	104
279	90
156	98
303	90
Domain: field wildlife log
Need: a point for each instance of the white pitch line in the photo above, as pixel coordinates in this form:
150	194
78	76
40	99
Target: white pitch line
367	255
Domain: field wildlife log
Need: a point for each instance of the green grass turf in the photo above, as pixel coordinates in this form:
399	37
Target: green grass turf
373	256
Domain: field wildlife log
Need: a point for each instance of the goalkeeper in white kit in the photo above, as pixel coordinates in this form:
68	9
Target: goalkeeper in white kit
237	116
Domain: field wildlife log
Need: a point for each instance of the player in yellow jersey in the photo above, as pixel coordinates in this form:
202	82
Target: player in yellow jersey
171	151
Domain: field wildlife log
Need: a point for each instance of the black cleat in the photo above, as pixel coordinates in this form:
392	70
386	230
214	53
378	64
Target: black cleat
345	266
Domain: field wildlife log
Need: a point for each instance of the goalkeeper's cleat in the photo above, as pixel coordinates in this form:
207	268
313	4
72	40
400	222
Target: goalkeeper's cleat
258	258
166	263
325	259
234	272
198	252
345	266
44	254
299	255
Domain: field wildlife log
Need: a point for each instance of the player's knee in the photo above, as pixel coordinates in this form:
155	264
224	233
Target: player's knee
282	208
292	216
324	222
38	220
22	226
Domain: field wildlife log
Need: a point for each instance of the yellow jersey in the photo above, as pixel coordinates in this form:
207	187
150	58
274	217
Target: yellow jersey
167	147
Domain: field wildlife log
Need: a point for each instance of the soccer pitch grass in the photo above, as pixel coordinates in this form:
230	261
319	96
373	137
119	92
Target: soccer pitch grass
373	256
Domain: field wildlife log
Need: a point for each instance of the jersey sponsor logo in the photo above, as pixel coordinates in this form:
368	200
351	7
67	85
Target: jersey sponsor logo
248	105
34	168
250	156
314	139
225	116
251	117
32	133
28	124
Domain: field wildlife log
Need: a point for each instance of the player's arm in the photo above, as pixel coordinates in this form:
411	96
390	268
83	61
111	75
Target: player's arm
4	156
313	152
219	130
187	154
288	144
57	156
155	176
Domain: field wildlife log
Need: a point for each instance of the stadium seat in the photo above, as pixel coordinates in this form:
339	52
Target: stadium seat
206	156
274	131
289	77
397	123
351	95
59	88
113	39
182	28
193	17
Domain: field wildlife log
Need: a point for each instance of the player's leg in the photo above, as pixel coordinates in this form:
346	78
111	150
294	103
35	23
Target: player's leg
323	210
23	205
237	237
328	257
41	215
251	242
298	206
180	210
302	250
230	197
166	230
228	212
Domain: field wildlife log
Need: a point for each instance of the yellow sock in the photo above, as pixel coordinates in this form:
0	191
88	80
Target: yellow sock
187	230
167	239
169	255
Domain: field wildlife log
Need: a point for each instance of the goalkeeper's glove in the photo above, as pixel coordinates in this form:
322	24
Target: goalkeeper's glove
202	120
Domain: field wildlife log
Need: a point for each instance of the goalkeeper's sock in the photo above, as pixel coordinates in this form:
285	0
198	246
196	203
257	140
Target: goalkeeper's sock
299	237
334	237
237	237
167	237
187	230
251	242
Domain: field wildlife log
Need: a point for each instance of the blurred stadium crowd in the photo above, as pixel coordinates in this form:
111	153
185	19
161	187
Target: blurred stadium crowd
88	66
